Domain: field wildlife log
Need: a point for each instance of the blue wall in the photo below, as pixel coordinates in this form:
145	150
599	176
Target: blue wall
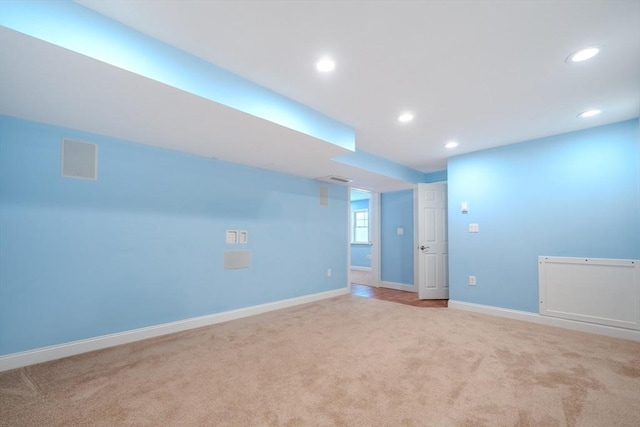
360	253
143	245
576	194
396	252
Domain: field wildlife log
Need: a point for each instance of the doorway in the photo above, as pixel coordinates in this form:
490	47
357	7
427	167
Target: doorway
363	238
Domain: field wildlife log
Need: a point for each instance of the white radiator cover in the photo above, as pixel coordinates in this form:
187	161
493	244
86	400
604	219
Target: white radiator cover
594	290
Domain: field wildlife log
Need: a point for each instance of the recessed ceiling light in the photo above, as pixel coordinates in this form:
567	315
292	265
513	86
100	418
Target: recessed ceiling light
589	113
451	144
405	117
583	54
325	65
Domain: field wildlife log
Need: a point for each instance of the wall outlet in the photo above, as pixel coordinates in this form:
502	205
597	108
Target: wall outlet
472	280
329	272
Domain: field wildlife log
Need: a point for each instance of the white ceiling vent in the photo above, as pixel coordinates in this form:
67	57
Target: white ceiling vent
333	179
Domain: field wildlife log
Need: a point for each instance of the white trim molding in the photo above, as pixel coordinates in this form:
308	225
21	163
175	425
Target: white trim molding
610	331
45	354
358	268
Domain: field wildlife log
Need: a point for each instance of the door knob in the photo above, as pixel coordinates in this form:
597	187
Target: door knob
423	247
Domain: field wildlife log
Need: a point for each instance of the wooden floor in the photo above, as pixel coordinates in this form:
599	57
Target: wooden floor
402	297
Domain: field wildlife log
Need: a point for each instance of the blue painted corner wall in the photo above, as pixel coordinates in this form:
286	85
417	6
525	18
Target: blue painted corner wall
143	245
575	195
396	251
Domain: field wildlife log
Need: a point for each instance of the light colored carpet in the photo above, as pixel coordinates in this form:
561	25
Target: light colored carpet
347	361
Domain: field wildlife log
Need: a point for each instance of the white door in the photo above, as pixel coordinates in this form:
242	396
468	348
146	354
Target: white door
433	281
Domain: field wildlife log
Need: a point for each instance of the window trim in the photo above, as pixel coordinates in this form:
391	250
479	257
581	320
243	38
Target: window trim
354	227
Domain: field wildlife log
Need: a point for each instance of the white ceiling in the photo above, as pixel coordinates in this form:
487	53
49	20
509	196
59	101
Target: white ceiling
485	73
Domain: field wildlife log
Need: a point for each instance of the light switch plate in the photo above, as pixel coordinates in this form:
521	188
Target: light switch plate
232	236
400	231
243	237
474	228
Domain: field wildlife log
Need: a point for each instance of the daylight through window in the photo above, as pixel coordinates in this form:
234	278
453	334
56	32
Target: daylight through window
360	222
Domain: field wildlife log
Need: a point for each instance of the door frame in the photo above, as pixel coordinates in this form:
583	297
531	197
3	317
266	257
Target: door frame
416	240
374	235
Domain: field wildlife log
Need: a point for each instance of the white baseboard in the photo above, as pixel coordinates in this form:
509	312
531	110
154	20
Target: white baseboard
398	286
45	354
610	331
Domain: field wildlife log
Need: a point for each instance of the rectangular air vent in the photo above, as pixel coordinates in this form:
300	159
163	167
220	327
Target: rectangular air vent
335	179
234	260
79	159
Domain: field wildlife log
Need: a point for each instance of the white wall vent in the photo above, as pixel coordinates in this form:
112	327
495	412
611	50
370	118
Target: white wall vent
234	260
593	290
79	159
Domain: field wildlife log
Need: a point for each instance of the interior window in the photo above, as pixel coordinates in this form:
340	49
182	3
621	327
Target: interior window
360	226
